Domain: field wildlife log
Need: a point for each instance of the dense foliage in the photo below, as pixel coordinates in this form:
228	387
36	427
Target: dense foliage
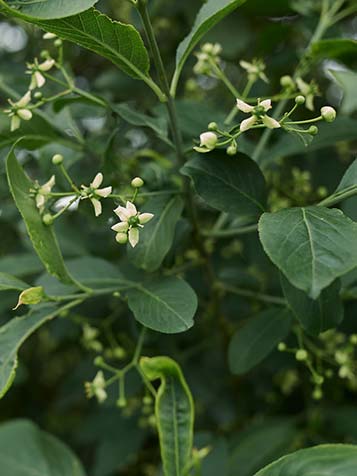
178	247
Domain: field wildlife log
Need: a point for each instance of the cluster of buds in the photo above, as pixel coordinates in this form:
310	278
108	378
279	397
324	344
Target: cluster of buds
97	388
255	70
206	58
90	340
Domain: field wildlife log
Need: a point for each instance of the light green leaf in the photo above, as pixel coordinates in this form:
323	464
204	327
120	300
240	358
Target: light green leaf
350	177
28	451
318	315
165	305
42	236
157	236
174	411
48	9
8	282
256	339
341	49
230	184
312	246
120	43
347	80
211	13
13	335
324	460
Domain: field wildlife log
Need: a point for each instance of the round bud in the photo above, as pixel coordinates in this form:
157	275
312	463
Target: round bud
281	347
212	126
45	54
47	219
121	238
344	371
232	149
287	82
147	400
38	95
58	43
328	113
121	402
300	100
353	339
57	159
137	182
318	379
117	294
317	394
301	355
98	361
313	130
208	48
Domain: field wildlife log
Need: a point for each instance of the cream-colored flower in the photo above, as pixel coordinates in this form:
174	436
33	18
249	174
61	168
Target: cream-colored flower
42	192
36	69
259	114
131	222
309	90
94	193
255	69
19	111
208	141
97	388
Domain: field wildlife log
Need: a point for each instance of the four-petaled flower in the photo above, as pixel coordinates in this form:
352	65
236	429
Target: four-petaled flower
131	221
309	91
36	69
97	388
259	113
94	193
19	111
255	69
42	192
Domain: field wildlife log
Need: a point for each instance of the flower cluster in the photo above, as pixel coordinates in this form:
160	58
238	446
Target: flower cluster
308	90
258	114
255	70
96	388
206	58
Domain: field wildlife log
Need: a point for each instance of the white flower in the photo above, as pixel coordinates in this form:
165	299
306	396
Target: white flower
259	113
309	91
208	141
94	193
49	36
209	54
36	69
64	202
19	111
131	221
42	192
255	69
328	113
97	388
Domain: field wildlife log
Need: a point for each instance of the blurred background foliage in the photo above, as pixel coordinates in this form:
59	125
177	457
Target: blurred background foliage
249	420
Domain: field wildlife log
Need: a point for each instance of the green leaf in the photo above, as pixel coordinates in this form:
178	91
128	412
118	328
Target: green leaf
211	13
174	410
13	335
312	246
324	460
120	43
42	236
257	338
341	49
347	80
157	236
51	9
28	451
8	282
317	315
21	264
165	305
350	177
230	184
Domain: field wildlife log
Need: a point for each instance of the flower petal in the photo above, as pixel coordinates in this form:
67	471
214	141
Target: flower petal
131	209
122	213
145	218
24	114
270	122
103	192
121	227
133	236
247	123
266	104
46	65
15	123
39	78
97	206
40	200
244	107
23	102
97	181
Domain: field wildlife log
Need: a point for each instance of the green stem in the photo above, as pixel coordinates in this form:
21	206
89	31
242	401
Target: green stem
253	295
69	180
339	197
217	233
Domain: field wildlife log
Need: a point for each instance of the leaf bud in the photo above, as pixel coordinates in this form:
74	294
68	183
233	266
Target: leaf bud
30	296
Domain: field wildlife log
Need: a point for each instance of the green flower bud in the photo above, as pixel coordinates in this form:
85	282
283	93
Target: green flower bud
137	182
301	355
232	149
212	126
318	379
30	296
57	159
38	95
121	238
287	82
317	394
58	43
47	219
328	113
121	402
281	347
45	54
300	100
313	130
98	361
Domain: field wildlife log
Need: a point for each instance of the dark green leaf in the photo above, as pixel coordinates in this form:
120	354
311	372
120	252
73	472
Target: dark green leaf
318	315
174	412
324	460
258	336
157	236
48	9
350	177
28	451
347	80
341	49
231	184
8	282
312	246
